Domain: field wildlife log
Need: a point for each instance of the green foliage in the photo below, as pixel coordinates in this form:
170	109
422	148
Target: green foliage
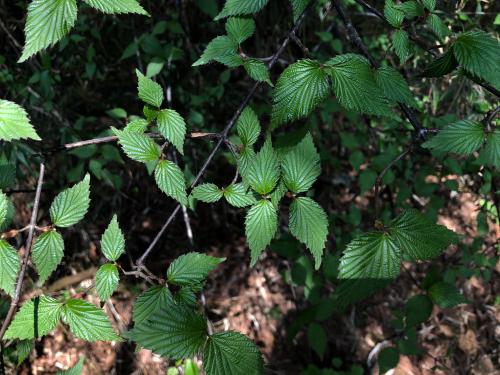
393	15
14	123
106	280
394	86
490	154
23	349
71	205
445	295
9	267
298	7
437	26
429	4
441	66
248	127
462	137
113	241
4	207
317	339
150	302
191	268
138	126
117	6
261	224
231	353
74	370
240	28
401	44
263	172
208	193
170	180
219	49
241	7
48	252
238	195
388	358
137	146
149	91
257	70
418	309
172	126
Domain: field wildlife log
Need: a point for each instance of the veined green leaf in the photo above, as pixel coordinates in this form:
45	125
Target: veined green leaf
138	126
393	15
170	180
218	49
401	44
490	154
240	28
441	66
261	225
7	173
113	240
191	268
257	70
47	23
4	207
150	302
437	26
150	92
411	9
394	86
264	171
445	295
238	195
232	353
462	137
278	193
245	160
71	205
47	254
106	281
9	216
14	123
241	7
117	6
298	7
74	370
208	193
9	267
137	146
172	126
23	349
248	127
388	359
429	4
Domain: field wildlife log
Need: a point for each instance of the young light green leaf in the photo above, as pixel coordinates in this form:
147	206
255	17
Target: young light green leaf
218	50
137	126
309	224
113	241
106	281
462	137
174	332
300	89
47	254
208	193
441	66
437	26
137	146
238	195
264	171
354	85
248	127
36	318
14	123
170	180
9	267
150	302
445	295
394	86
393	15
23	349
401	44
490	154
191	268
172	126
257	70
278	193
241	7
150	92
117	6
261	224
240	28
47	23
74	370
232	353
301	166
88	322
4	207
71	205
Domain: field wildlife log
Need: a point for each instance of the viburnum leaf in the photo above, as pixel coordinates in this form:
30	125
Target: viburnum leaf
441	66
437	26
187	295
300	166
429	4
14	123
261	224
354	85
298	7
445	295
4	207
309	224
9	267
257	70
7	221
47	23
149	91
23	349
106	281
232	353
113	240
172	126
35	318
74	370
278	193
241	7
401	44
174	332
393	15
245	160
48	252
137	146
88	322
71	205
264	171
411	9
300	89
238	195
117	6
138	126
240	28
248	127
151	301
208	193
191	268
218	50
170	180
394	86
490	154
462	137
418	237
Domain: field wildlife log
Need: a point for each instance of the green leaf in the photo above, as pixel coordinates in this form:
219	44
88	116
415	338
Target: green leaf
317	339
300	89
445	295
298	7
437	26
48	22
248	127
172	126
170	180
388	358
150	302
48	252
11	211
479	54
23	349
191	268
232	353
88	322
238	195
418	237
208	193
36	318
490	154
257	70
309	224
245	161
218	50
9	267
441	66
429	4
71	205
393	15
113	240
7	173
354	85
418	309
240	28
117	6
394	86
301	166
4	207
137	146
14	123
241	7
150	92
261	224
106	281
175	332
401	44
75	370
411	9
264	171
278	193
462	137
138	126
